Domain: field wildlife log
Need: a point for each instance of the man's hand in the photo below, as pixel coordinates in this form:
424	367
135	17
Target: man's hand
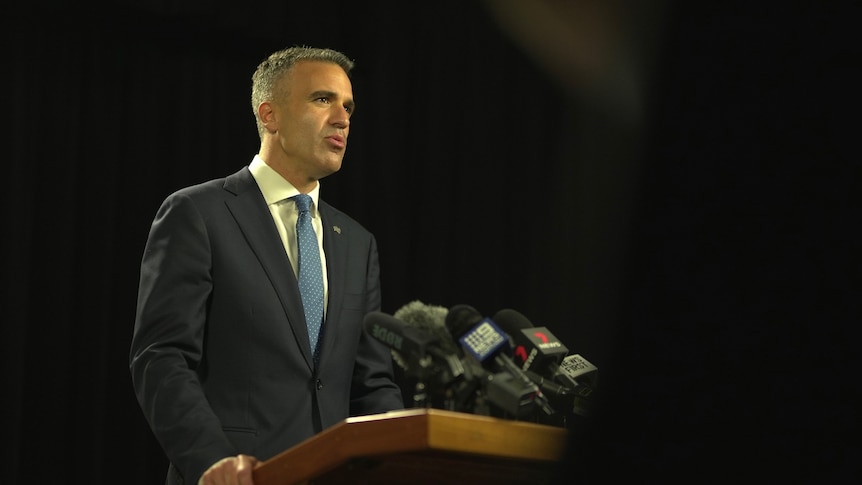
233	470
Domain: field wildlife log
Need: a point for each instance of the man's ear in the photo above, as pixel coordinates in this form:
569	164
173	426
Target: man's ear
267	116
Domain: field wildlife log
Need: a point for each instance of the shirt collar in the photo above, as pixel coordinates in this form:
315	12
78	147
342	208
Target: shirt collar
274	187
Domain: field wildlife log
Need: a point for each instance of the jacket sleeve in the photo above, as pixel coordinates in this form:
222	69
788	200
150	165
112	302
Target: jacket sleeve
167	341
374	389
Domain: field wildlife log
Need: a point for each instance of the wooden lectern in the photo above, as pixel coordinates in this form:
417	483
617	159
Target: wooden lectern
421	446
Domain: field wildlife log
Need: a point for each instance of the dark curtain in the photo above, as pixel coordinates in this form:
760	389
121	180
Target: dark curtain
666	188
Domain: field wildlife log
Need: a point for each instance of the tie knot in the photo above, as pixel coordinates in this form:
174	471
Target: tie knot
303	202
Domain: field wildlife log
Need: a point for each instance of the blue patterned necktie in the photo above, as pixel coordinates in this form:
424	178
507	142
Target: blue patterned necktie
310	274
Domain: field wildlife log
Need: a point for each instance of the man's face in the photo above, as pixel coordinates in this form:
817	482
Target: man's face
313	118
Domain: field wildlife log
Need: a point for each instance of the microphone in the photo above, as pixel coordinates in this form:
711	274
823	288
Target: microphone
538	350
412	348
572	399
424	353
578	368
457	393
430	319
568	379
508	387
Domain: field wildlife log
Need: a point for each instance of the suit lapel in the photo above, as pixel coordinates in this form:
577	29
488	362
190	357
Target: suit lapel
335	245
255	221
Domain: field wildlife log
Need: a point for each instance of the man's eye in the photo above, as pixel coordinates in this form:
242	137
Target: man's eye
323	99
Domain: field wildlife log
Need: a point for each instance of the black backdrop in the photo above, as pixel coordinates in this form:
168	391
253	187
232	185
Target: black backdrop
693	239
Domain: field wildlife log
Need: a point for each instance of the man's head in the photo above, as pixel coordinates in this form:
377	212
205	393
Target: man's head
273	68
303	100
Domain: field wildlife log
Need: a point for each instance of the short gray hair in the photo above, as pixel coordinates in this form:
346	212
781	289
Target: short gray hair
279	63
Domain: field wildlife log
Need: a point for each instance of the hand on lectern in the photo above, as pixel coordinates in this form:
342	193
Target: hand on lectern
233	470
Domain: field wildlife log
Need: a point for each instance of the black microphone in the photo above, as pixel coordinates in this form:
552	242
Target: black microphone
429	356
458	392
410	343
576	399
509	388
413	349
577	368
538	350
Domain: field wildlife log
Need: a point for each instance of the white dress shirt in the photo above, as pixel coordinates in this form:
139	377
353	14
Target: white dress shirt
277	193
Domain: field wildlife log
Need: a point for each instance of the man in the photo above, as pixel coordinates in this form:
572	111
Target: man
221	357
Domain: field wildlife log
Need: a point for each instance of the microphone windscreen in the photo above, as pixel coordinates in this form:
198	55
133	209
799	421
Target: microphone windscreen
430	319
512	320
461	318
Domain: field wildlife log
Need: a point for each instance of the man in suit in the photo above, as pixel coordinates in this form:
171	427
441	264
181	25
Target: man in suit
221	358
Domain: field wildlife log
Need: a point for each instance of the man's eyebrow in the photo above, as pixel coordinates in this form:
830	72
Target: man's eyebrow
321	94
330	94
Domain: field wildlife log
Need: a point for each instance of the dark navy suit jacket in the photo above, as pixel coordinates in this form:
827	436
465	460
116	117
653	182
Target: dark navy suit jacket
220	358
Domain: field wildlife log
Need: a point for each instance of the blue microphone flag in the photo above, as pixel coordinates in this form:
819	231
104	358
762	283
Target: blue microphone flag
484	340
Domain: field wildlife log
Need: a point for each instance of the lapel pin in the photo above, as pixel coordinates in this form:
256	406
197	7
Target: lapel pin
336	229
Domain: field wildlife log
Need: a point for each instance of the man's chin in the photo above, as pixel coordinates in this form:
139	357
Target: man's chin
329	169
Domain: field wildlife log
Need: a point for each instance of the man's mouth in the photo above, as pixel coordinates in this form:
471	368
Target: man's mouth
337	141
